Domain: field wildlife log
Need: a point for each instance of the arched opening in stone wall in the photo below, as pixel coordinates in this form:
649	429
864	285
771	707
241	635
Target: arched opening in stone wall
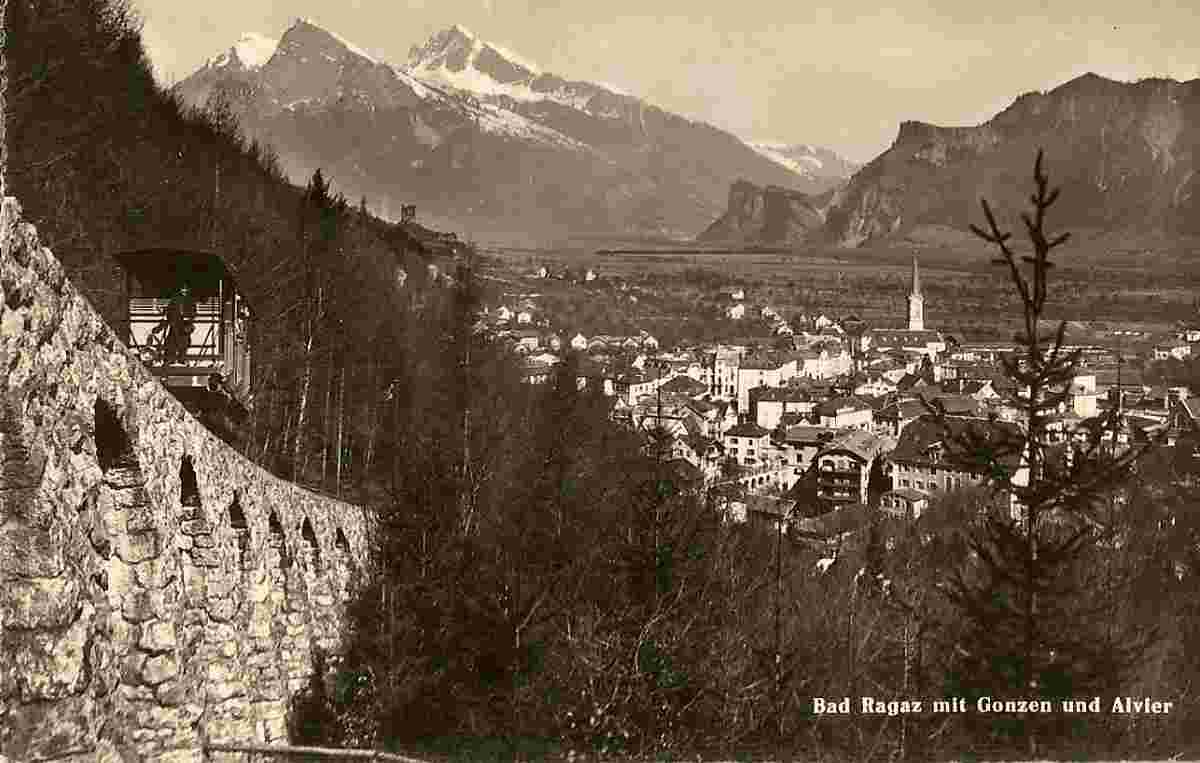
344	562
189	488
312	549
241	531
276	544
114	448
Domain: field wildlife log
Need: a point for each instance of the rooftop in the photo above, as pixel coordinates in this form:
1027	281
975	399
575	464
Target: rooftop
978	441
748	429
858	442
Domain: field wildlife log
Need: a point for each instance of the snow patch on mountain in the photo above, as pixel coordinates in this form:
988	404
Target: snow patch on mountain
801	165
614	89
474	81
423	91
432	64
252	50
499	120
514	58
255	49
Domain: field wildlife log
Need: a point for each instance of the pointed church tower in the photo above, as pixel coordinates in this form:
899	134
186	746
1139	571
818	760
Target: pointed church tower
916	302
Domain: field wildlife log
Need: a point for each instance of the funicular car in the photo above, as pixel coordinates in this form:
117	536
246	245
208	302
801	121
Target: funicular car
189	324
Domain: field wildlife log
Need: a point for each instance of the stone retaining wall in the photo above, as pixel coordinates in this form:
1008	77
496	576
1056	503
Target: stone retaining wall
156	587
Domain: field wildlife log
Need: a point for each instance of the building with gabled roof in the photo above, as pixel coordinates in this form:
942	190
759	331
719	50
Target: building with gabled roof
935	456
844	466
747	444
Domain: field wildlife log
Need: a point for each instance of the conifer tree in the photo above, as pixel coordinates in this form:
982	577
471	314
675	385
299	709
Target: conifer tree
1029	599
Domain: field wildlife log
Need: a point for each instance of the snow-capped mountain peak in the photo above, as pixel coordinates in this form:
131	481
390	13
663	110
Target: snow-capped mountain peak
459	58
250	52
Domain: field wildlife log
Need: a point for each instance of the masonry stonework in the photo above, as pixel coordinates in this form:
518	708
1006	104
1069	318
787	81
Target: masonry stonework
156	588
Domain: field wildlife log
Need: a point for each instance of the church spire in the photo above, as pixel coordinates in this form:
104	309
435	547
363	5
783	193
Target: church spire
916	303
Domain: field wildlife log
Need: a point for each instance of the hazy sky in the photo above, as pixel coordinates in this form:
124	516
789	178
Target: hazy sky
842	76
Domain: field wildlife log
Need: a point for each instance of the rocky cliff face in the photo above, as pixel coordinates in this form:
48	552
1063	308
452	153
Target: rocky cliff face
770	216
1125	156
473	133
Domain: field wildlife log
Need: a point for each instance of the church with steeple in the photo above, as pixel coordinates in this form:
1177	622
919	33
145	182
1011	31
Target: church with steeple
914	337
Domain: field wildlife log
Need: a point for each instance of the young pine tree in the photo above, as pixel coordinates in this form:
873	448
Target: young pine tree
1031	598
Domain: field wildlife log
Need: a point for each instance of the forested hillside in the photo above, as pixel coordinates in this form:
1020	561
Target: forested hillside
103	160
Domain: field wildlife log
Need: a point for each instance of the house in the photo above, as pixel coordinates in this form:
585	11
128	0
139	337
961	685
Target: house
716	416
806	441
589	275
747	445
895	417
932	456
736	312
676	421
525	317
822	363
769	404
543	272
831	528
528	340
956	405
844	466
844	412
768	511
579	342
906	503
875	384
1084	399
704	453
762	371
737	294
684	386
536	373
914	384
634	385
649	343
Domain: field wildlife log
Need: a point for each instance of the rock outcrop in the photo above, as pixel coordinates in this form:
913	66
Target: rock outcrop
156	588
1125	155
765	216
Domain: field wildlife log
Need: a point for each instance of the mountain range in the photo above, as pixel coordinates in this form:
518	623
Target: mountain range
1124	154
482	140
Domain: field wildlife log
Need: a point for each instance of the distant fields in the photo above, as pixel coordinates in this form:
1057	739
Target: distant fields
964	292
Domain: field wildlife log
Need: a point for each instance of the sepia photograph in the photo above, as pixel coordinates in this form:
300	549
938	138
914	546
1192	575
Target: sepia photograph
513	381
